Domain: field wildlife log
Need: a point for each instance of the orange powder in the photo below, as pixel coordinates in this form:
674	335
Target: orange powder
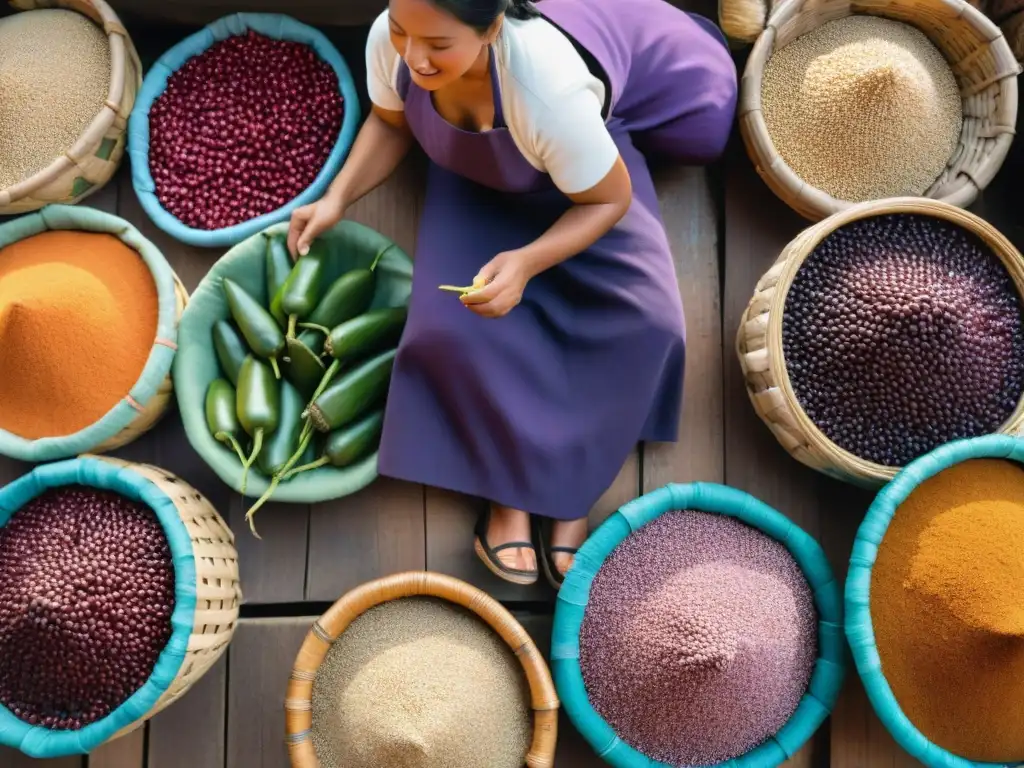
78	317
947	605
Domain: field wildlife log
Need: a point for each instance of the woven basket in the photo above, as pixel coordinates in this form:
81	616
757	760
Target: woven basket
95	157
859	628
329	627
759	339
980	57
207	593
829	669
151	396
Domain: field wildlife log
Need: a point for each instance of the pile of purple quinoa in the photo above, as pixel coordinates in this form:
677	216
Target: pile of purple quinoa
699	638
86	597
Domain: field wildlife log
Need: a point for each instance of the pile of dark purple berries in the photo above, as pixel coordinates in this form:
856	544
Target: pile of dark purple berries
901	333
86	596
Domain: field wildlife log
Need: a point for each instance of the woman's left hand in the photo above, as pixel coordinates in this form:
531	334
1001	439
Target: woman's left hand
505	278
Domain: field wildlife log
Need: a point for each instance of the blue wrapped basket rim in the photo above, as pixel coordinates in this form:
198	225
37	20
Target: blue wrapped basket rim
80	218
859	629
40	742
273	25
829	670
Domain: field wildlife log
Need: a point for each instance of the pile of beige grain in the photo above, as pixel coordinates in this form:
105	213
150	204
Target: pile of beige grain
420	683
863	108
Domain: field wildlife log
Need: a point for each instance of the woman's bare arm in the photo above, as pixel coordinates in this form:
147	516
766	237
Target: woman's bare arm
382	143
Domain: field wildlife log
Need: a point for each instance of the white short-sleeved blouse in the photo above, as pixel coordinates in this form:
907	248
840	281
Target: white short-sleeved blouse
552	102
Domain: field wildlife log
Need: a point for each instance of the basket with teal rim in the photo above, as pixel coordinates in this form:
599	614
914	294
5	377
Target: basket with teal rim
272	25
351	245
141	408
829	669
859	629
207	594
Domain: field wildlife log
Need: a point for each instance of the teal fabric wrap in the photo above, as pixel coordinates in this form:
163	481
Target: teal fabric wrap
829	670
39	742
65	217
353	245
859	630
272	25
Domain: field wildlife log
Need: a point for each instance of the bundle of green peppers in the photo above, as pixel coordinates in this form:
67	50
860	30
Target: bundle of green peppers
279	402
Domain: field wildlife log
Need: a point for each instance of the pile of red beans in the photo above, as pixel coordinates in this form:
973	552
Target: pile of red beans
242	129
86	597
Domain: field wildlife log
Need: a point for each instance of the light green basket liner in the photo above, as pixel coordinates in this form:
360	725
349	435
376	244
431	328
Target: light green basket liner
354	245
158	366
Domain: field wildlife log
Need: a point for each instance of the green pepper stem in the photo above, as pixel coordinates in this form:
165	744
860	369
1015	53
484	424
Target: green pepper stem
293	320
325	381
276	367
307	467
307	429
380	253
257	446
275	481
322	328
227	437
303	445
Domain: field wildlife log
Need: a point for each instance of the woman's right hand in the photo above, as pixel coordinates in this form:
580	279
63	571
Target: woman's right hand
311	221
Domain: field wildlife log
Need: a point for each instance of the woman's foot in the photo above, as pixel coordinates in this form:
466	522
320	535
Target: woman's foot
503	544
567	535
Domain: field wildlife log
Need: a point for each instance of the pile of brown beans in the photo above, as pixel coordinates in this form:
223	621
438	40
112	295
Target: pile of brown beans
86	597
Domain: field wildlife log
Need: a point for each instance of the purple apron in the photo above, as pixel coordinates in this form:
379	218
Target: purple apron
539	409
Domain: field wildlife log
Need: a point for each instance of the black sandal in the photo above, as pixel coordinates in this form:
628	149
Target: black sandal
489	555
547	559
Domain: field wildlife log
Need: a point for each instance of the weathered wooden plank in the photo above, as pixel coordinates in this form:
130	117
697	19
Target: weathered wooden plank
259	661
190	732
126	752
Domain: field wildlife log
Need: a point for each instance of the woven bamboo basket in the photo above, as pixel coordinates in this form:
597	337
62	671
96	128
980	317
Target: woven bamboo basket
91	162
979	55
329	627
759	338
207	593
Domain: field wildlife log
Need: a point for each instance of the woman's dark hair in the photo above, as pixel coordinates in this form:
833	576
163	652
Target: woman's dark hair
481	14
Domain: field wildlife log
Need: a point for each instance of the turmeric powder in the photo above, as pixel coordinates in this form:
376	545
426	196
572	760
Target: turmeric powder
78	318
947	605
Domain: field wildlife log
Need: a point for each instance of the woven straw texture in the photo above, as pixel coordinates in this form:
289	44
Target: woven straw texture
272	25
979	55
329	627
207	593
95	157
149	399
859	630
829	670
759	339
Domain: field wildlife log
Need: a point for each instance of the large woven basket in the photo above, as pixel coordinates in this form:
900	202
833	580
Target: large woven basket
570	609
860	630
759	338
329	627
149	399
207	593
979	55
95	157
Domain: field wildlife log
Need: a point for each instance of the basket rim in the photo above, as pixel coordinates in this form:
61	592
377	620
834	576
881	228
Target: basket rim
801	248
81	218
829	668
752	123
93	471
859	628
333	623
275	25
120	45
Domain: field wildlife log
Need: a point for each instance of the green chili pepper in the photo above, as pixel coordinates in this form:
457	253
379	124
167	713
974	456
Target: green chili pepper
303	367
345	446
279	447
230	349
304	287
258	406
361	336
259	328
352	395
279	266
221	417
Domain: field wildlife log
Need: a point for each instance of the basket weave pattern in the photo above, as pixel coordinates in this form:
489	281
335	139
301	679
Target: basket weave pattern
92	161
985	68
759	339
329	627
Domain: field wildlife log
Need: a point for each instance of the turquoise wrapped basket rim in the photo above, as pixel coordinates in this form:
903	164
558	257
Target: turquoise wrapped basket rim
829	669
859	629
37	741
274	25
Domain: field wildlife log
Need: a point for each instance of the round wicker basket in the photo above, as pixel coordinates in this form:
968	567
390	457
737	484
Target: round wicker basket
979	55
759	338
95	157
207	593
329	627
147	402
829	669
